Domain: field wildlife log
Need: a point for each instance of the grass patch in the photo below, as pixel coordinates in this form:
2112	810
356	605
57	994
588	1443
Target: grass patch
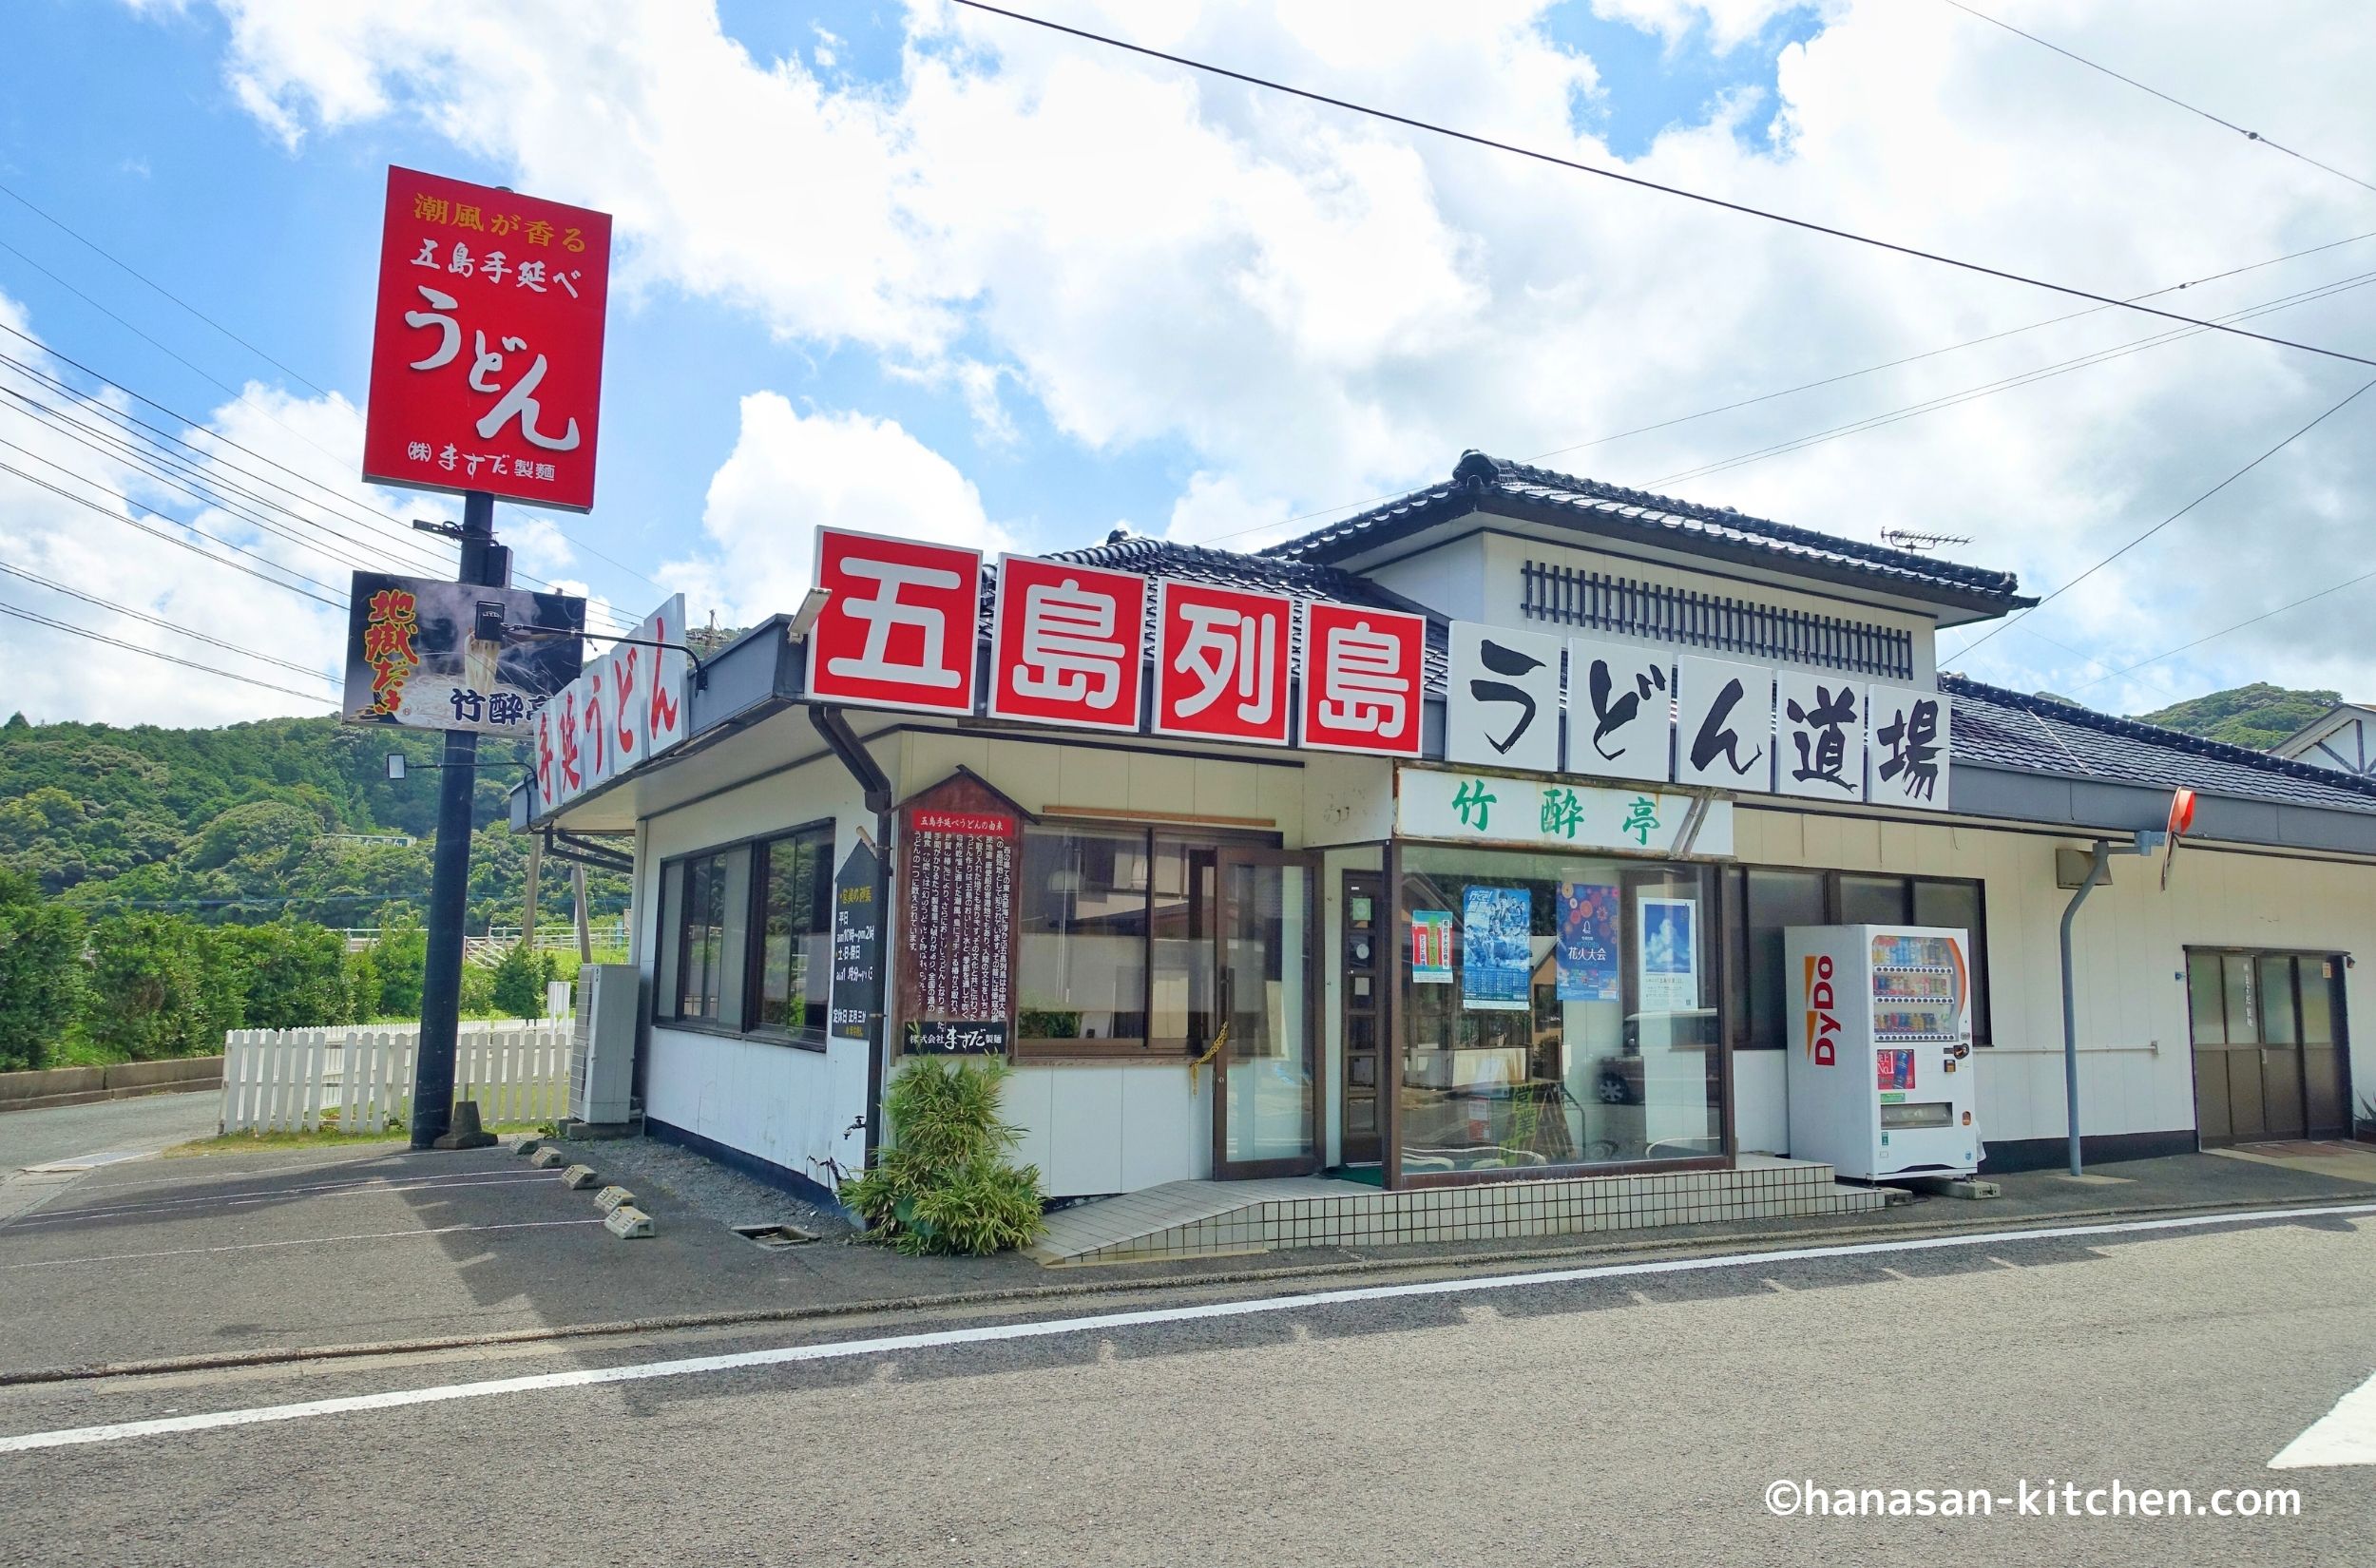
323	1137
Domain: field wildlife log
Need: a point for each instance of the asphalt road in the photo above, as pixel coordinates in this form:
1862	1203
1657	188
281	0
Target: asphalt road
148	1123
1635	1417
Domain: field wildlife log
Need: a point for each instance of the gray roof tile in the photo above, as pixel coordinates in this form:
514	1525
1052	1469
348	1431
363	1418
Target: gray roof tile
1493	483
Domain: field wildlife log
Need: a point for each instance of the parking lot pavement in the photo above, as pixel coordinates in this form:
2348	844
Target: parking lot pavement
273	1249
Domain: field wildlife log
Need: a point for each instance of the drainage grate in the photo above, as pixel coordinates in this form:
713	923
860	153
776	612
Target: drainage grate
774	1237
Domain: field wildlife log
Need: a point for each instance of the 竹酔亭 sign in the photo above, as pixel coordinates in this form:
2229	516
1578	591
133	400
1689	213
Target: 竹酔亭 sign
487	342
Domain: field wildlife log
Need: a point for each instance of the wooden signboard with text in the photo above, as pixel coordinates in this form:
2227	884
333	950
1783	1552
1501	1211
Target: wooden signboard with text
961	846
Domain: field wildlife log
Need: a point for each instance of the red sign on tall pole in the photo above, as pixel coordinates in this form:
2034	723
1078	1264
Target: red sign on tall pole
487	342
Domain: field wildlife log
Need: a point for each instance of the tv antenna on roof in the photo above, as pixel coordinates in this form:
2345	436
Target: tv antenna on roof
1908	539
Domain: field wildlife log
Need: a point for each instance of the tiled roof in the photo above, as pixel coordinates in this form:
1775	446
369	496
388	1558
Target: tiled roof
1539	494
1994	726
1302	581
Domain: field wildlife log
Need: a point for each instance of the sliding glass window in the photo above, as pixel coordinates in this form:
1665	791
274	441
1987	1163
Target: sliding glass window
700	938
792	959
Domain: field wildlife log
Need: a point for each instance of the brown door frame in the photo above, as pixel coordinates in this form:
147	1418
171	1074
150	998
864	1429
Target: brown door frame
1224	912
2339	1022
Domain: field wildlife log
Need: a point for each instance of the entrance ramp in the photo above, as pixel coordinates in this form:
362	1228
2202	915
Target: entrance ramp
1203	1218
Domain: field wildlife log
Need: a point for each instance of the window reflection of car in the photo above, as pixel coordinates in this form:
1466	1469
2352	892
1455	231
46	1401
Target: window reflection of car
1617	1080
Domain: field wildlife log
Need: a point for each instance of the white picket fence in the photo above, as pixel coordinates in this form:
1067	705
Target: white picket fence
358	1078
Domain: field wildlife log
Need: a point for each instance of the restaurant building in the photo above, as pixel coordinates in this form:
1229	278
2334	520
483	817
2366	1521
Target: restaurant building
1450	845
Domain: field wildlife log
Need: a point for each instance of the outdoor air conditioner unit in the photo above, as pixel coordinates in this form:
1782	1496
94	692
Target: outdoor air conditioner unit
601	1048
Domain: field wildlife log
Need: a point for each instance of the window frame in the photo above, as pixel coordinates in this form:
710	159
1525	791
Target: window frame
737	923
1201	843
755	940
676	897
1736	885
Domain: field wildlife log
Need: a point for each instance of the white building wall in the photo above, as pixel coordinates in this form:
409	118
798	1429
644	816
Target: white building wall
2128	951
790	1106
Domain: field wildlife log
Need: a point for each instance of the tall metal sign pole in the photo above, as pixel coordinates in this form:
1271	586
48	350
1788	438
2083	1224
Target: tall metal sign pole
487	368
485	563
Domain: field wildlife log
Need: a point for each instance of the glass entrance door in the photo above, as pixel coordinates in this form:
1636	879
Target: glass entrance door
1266	1076
2267	1053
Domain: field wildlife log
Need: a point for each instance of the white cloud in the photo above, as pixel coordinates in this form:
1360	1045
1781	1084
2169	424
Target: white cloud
792	473
1317	307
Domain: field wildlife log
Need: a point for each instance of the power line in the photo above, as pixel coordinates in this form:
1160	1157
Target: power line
1705	200
1966	650
162	625
132	271
160	533
151	653
2213	637
2028	377
2173	101
1842	376
339	504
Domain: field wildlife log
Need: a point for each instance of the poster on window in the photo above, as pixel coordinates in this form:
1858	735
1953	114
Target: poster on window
1588	942
1431	946
1670	955
1496	949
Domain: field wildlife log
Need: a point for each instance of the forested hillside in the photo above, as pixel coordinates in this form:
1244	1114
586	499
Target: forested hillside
2257	715
253	821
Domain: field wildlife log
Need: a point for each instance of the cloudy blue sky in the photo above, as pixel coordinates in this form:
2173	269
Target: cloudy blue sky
918	270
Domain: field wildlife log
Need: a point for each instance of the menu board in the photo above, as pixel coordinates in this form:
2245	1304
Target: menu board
857	948
957	919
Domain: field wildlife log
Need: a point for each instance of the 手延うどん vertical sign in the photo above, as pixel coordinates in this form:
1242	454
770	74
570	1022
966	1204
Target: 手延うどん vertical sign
487	342
960	855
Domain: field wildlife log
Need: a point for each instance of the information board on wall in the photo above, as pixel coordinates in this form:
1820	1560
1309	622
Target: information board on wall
857	997
960	855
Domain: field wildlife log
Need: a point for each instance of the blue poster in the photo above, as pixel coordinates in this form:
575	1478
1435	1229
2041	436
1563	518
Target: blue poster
1496	949
1588	942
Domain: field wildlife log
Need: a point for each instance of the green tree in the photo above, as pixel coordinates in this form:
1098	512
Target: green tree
363	985
292	973
520	982
403	957
161	986
41	972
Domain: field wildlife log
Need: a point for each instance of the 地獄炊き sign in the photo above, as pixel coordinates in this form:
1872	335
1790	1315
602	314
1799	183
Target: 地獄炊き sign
415	659
487	342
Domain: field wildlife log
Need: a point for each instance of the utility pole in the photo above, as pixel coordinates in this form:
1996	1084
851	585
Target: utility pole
488	564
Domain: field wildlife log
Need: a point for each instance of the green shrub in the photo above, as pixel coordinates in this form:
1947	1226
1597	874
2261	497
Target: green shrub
943	1183
363	984
478	992
292	973
403	955
161	985
41	972
519	983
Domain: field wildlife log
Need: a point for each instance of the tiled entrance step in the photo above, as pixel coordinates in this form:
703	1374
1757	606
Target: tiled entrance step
1183	1218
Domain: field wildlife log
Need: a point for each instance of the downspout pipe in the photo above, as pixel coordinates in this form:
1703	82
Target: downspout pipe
835	727
2096	869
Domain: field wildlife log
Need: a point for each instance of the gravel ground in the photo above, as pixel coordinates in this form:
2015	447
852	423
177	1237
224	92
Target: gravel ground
716	1190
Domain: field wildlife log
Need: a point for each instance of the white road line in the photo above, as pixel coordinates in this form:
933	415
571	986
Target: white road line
595	1376
2345	1435
295	1241
172	1207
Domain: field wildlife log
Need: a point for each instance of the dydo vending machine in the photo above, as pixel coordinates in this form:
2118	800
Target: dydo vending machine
1881	1076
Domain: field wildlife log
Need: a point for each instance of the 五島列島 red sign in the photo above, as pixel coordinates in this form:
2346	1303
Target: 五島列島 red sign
487	344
